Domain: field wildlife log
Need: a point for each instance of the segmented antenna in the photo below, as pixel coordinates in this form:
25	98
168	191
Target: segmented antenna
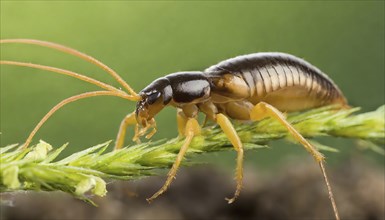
64	72
111	91
74	52
66	101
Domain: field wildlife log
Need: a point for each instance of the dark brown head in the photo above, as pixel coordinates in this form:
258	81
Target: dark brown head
181	88
154	98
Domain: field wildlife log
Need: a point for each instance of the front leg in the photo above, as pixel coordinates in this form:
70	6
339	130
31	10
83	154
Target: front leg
128	120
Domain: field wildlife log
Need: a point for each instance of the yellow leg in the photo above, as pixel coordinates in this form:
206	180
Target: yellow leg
232	135
128	120
154	130
182	121
263	110
140	131
192	128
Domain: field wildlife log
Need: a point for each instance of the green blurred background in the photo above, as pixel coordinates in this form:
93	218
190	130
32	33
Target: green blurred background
145	40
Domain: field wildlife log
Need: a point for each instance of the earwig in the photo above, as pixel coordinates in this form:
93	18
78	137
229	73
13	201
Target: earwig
245	88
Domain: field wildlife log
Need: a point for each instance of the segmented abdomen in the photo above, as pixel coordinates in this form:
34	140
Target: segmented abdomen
280	74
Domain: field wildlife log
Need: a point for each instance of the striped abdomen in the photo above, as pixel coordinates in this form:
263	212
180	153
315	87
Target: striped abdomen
285	81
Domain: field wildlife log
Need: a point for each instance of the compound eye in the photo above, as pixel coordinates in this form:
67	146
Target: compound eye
152	98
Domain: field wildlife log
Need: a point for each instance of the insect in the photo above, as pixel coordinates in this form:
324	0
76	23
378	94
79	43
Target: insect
247	88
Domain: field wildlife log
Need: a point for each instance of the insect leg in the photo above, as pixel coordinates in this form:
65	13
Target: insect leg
128	120
154	130
232	135
263	110
192	128
181	121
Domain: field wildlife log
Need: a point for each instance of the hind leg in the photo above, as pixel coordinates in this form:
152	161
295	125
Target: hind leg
263	110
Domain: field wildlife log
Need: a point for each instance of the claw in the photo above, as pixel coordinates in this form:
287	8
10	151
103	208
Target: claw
229	201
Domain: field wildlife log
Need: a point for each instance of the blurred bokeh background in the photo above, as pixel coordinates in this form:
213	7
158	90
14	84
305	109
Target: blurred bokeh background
145	40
